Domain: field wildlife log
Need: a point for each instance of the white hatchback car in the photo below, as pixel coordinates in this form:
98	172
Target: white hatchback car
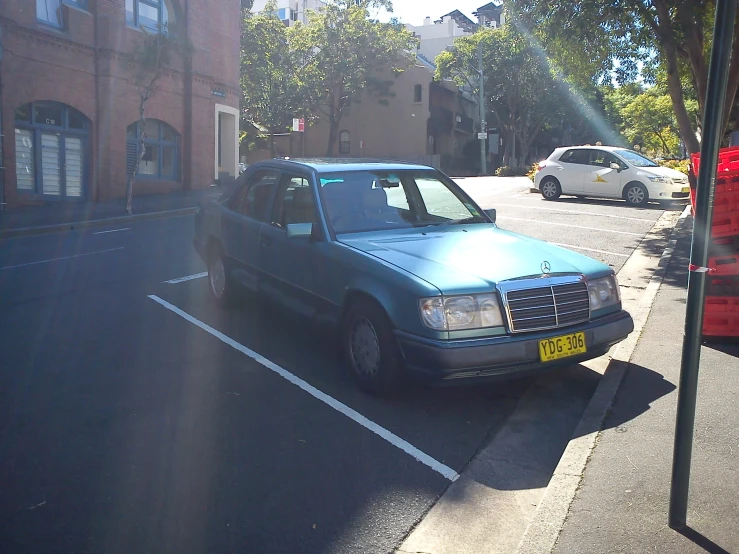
608	172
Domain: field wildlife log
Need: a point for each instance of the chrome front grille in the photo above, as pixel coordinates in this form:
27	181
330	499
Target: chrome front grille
547	307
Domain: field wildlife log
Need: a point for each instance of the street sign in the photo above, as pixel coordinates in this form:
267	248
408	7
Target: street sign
299	125
482	136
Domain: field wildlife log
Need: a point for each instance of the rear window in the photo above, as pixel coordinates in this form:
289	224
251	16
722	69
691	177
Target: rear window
575	157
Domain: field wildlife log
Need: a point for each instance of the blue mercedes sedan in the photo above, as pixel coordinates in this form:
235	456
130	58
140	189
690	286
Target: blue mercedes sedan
415	276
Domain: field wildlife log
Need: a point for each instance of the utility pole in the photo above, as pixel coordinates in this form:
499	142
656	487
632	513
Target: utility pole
718	71
483	123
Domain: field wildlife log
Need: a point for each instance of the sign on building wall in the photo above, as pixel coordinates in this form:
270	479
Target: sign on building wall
299	125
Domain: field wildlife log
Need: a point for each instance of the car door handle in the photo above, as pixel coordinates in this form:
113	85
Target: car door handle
561	168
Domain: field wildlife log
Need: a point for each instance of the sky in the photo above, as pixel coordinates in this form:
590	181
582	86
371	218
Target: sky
413	11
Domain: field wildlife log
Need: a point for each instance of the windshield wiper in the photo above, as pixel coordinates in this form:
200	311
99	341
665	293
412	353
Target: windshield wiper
473	219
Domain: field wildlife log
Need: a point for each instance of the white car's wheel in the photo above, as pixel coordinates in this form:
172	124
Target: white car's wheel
636	194
550	188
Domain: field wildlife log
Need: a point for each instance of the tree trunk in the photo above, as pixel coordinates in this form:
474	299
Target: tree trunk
141	129
333	135
669	49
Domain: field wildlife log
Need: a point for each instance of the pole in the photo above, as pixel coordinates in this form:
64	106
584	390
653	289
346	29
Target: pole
718	71
483	123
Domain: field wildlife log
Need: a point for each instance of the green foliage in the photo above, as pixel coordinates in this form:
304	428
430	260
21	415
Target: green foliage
506	171
646	117
523	91
667	42
270	86
346	56
531	173
679	165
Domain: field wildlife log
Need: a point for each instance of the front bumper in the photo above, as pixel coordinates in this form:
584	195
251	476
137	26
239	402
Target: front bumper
505	356
663	191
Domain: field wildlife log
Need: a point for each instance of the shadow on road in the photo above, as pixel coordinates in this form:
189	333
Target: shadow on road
669	205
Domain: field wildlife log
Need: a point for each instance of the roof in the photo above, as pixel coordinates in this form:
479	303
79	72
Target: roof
591	146
331	165
489	7
462	20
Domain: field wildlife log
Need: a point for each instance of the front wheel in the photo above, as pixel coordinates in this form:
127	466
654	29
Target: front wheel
371	349
550	189
636	194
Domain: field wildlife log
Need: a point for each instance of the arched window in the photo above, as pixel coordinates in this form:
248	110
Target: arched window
345	142
161	156
149	14
51	150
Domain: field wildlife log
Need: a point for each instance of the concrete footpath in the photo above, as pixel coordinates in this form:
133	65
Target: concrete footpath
622	500
62	216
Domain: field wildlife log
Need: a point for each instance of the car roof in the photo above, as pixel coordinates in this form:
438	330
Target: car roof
590	147
332	165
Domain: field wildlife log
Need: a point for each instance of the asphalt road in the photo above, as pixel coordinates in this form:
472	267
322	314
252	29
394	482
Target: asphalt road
132	424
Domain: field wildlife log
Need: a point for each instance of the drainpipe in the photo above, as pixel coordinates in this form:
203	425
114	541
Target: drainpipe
187	128
2	135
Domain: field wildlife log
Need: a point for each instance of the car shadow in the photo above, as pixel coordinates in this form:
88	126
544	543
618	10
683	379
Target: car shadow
667	205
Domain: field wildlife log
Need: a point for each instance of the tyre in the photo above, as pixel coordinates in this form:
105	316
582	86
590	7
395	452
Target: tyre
636	194
371	349
550	188
219	283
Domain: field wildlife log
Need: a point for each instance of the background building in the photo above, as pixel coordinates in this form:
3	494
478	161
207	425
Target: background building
291	11
70	106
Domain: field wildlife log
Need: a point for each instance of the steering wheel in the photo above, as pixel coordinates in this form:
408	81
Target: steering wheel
345	215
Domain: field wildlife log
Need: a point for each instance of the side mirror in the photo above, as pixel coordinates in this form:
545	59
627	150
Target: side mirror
616	166
299	230
492	214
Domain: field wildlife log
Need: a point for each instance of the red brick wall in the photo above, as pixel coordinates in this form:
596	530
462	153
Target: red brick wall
83	66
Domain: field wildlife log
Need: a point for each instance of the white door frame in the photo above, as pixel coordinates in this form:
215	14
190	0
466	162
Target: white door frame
222	108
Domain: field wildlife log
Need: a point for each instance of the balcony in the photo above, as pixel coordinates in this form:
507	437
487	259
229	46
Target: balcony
442	119
464	124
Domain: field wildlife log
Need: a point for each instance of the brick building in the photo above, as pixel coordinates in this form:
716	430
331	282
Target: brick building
69	103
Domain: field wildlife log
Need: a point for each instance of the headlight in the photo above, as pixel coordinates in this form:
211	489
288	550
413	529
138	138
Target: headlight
659	179
455	313
603	293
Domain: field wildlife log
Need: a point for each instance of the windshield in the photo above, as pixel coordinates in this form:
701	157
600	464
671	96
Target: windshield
359	201
636	159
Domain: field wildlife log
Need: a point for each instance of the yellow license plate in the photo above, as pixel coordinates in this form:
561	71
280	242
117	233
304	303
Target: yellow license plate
685	190
562	347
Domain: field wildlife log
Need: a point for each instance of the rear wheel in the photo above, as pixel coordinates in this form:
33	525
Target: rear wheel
550	188
219	283
636	194
371	349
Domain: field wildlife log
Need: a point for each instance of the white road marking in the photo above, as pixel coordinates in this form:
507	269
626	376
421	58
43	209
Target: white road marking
569	225
63	258
112	231
579	212
392	438
188	278
590	249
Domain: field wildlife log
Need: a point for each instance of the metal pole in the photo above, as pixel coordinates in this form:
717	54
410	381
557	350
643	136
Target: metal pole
718	71
483	123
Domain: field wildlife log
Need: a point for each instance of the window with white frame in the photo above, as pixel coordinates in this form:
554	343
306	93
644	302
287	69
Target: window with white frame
49	12
161	153
345	142
149	14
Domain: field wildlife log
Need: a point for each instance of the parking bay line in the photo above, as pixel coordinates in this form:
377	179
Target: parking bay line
111	231
188	278
579	212
390	437
63	258
570	225
589	249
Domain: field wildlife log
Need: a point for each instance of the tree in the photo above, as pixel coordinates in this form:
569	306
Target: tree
520	90
271	91
149	60
601	38
345	56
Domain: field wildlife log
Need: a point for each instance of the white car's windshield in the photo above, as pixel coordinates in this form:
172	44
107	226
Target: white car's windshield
359	201
636	159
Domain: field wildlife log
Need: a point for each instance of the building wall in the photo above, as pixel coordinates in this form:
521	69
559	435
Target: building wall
395	131
83	66
435	37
